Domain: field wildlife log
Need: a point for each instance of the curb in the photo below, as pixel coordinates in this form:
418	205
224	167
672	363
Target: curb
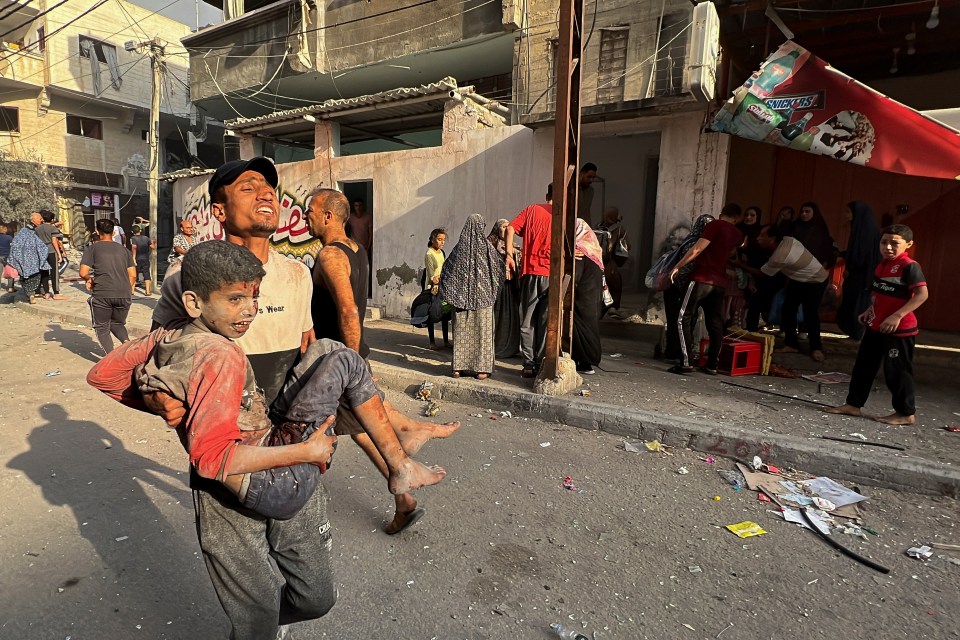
834	459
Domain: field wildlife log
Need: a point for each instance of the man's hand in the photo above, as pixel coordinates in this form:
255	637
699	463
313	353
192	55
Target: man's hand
890	324
321	445
307	339
866	317
165	406
89	284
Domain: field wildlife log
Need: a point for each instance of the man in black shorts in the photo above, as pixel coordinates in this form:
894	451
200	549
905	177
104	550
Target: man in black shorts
141	247
108	270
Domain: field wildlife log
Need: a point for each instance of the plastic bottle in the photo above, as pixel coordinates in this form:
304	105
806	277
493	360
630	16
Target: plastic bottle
567	634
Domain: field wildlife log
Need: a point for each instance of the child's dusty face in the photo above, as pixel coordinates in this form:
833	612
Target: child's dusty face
893	246
231	309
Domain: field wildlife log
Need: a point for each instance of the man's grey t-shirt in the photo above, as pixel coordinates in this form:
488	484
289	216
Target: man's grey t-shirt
142	243
47	232
109	262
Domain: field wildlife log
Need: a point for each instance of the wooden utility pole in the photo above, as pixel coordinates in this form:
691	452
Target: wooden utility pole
566	159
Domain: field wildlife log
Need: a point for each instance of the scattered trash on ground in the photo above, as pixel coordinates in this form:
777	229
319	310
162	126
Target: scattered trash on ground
951	428
832	377
566	633
709	460
426	390
920	553
121	538
734	478
568	484
746	529
584	393
858	435
506	414
695	569
615	355
682	471
432	409
544	444
50	374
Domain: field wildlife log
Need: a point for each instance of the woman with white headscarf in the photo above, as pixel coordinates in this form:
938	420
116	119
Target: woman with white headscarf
587	298
471	279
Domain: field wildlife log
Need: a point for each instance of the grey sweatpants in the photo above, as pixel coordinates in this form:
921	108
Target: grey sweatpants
266	572
532	288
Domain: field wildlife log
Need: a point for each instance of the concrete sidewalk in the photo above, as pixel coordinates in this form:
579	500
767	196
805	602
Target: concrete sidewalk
632	395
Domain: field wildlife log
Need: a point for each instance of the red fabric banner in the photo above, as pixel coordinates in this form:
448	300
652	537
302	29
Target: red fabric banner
797	100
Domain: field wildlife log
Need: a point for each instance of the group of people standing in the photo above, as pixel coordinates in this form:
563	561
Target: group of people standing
34	257
497	293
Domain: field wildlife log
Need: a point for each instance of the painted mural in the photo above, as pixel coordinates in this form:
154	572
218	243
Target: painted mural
291	238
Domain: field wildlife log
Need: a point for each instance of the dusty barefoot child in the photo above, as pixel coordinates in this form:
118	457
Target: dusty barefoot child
270	461
899	289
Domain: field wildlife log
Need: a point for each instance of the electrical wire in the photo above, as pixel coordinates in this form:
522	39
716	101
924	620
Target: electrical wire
340	24
16	7
88	101
47	36
75	55
27	22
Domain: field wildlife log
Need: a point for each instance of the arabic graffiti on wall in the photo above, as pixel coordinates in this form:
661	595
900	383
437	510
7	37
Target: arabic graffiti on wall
291	238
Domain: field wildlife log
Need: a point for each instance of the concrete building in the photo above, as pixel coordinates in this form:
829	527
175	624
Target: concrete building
72	95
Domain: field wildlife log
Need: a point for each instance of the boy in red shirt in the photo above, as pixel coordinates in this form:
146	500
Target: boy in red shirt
899	288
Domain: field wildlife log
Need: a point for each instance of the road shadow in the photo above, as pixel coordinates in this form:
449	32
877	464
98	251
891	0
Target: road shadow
82	466
74	341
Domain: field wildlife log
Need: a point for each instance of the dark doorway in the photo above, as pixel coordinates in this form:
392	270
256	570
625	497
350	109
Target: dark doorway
650	178
360	227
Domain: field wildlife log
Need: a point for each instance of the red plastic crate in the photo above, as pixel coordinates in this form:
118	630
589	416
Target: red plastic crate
737	357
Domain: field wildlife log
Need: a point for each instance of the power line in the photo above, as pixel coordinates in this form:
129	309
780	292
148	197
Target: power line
25	23
341	24
75	55
57	30
16	7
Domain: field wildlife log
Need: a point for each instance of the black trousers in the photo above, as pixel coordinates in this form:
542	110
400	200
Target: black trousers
50	279
709	298
895	354
807	295
109	316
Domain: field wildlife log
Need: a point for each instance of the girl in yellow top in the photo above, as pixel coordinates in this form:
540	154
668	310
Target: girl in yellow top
433	265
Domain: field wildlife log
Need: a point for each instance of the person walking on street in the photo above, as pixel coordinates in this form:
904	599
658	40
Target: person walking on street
28	255
108	270
470	282
708	283
118	235
534	225
52	236
181	242
142	247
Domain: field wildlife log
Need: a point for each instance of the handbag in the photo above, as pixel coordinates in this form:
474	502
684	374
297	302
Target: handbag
607	297
620	251
658	277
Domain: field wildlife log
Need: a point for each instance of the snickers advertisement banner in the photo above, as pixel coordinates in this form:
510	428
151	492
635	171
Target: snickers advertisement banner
797	100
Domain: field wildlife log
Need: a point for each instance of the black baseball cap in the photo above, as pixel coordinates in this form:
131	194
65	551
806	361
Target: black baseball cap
228	172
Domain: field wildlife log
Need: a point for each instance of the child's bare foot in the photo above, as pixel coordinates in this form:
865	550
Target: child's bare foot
896	419
817	356
413	475
845	410
416	434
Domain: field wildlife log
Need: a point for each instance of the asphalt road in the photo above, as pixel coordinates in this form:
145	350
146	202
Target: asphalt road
97	538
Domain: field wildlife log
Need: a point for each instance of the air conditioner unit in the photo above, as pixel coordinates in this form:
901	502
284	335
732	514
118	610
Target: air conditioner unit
700	76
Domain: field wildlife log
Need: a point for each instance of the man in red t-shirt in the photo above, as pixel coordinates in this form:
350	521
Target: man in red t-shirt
899	288
708	282
534	224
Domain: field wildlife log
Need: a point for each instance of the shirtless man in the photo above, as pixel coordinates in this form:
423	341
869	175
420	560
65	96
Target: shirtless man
339	304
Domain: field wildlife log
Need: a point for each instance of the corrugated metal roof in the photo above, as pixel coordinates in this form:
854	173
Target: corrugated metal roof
330	107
